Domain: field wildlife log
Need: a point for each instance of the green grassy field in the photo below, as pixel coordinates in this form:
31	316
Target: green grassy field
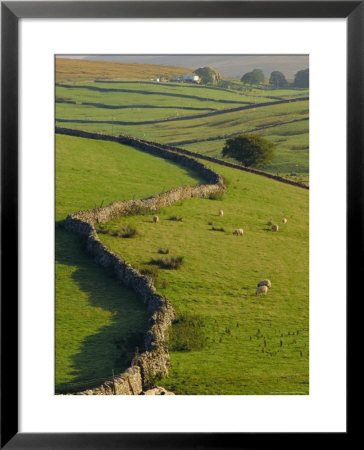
252	345
98	321
238	343
163	89
140	102
76	112
291	153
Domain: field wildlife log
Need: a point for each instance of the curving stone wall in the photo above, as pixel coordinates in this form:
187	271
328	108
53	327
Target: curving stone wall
173	153
155	360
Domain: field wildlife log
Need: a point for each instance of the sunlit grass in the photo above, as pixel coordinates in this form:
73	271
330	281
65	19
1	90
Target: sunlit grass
99	322
243	353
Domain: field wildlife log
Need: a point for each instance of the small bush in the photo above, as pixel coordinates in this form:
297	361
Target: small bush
165	284
216	196
125	232
186	334
163	251
175	218
138	210
171	262
102	228
210	223
217	229
151	272
150	378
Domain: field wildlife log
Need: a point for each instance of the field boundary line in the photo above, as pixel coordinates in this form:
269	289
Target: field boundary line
155	360
169	150
135	91
240	167
227	136
188	117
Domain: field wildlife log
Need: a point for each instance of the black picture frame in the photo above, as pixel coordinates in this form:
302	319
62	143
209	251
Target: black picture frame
11	12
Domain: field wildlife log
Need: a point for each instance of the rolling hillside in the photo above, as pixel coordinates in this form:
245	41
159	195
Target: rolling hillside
187	115
67	69
249	344
225	340
98	321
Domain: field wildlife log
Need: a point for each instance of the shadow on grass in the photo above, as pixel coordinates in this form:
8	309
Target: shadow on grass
96	349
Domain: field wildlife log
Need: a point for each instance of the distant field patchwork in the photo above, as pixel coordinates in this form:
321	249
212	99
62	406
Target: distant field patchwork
225	340
154	111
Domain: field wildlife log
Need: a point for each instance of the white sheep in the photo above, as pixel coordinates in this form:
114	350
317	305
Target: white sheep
284	220
262	290
238	232
275	227
265	283
155	219
221	212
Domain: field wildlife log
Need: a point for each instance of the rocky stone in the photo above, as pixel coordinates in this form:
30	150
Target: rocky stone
154	361
158	390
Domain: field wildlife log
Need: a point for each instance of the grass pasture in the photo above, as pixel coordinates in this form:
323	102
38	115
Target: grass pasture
140	109
174	89
252	345
291	151
98	321
226	340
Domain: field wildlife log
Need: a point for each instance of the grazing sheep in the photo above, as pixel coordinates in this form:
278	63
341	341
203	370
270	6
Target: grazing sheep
221	212
262	290
238	232
284	220
275	227
265	283
155	219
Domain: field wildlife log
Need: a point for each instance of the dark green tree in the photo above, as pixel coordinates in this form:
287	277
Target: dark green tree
302	78
247	78
256	76
207	75
277	79
249	149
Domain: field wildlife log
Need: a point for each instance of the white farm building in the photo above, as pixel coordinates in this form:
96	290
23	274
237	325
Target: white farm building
191	77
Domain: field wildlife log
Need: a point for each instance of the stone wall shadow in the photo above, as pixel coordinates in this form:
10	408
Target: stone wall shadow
113	347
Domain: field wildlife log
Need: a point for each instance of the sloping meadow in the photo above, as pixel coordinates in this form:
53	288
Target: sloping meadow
99	323
227	340
166	113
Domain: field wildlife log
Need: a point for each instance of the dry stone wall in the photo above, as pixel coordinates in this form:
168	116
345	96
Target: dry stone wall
174	152
154	361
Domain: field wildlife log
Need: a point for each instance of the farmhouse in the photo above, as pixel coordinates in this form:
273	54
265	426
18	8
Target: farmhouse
191	77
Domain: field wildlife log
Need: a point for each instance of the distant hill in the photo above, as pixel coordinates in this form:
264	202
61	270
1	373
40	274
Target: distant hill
87	69
227	65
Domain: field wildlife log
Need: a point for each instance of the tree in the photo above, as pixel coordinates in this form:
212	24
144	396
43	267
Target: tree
249	149
259	75
302	78
248	78
256	76
277	79
207	75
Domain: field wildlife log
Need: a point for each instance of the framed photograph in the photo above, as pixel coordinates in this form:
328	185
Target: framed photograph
199	160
